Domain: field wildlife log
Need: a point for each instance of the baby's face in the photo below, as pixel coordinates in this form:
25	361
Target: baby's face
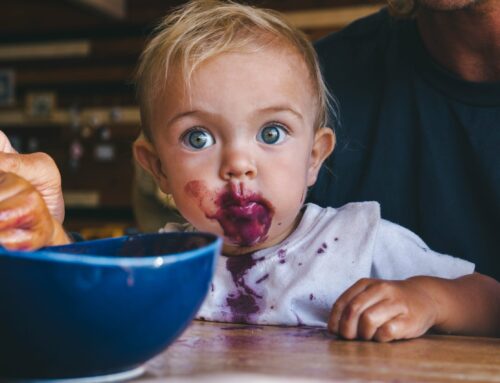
238	149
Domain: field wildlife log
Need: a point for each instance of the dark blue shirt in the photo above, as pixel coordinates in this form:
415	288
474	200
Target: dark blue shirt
414	137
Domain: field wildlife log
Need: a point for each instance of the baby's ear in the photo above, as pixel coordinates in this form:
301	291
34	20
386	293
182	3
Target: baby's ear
146	156
324	142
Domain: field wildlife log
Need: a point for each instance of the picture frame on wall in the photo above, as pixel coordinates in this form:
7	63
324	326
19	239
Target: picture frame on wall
40	105
7	87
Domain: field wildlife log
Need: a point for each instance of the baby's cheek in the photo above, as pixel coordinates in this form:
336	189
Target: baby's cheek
196	189
197	201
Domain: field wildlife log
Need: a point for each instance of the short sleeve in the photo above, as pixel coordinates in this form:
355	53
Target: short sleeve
398	254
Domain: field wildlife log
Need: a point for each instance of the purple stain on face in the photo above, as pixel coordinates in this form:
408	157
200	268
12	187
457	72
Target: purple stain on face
245	218
245	302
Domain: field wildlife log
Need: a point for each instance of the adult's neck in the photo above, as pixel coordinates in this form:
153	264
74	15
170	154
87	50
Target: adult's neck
465	42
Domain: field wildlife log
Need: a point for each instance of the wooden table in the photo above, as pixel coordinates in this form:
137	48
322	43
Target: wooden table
280	353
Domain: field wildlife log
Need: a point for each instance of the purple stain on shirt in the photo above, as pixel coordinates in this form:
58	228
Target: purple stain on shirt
262	279
244	302
322	249
299	321
282	255
311	297
212	287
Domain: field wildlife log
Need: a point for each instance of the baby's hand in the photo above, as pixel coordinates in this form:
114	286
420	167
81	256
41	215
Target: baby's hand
374	309
25	221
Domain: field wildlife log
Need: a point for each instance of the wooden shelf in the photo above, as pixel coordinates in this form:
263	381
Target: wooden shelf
62	117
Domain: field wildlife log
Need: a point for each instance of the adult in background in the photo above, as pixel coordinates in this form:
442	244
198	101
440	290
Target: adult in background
419	128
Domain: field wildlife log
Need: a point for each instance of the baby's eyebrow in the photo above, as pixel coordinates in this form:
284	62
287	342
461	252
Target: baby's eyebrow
280	108
266	110
181	115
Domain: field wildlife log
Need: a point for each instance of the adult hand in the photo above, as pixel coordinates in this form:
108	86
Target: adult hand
374	309
40	170
25	221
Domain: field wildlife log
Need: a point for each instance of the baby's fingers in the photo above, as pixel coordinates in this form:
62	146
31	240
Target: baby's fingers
396	328
376	316
401	327
344	300
366	312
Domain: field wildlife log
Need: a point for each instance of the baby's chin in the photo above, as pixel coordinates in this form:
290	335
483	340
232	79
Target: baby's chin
272	239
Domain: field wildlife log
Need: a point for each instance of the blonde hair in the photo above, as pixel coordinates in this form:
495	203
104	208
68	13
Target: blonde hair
403	8
201	29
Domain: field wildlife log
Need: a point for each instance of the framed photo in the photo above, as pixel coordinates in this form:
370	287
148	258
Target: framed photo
6	87
40	104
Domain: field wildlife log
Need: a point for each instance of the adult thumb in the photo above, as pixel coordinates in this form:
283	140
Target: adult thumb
5	145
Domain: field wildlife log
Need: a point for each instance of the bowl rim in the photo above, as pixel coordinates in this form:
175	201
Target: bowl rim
46	255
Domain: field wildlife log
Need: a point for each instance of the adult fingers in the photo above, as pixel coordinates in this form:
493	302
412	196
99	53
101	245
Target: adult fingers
5	145
25	222
21	209
41	171
10	185
19	239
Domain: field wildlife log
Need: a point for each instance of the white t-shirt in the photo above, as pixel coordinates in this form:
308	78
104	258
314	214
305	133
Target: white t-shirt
298	281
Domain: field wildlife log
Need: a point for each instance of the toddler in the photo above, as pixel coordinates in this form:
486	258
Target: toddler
234	113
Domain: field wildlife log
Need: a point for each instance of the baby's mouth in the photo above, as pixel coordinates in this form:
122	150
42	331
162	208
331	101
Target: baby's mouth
245	210
245	219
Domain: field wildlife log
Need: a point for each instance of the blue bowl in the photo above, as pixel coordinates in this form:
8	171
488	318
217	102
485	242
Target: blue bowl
100	307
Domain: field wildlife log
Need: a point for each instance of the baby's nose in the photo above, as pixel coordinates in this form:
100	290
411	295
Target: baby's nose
237	164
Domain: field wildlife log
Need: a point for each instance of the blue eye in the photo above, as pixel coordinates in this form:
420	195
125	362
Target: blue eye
198	139
272	134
